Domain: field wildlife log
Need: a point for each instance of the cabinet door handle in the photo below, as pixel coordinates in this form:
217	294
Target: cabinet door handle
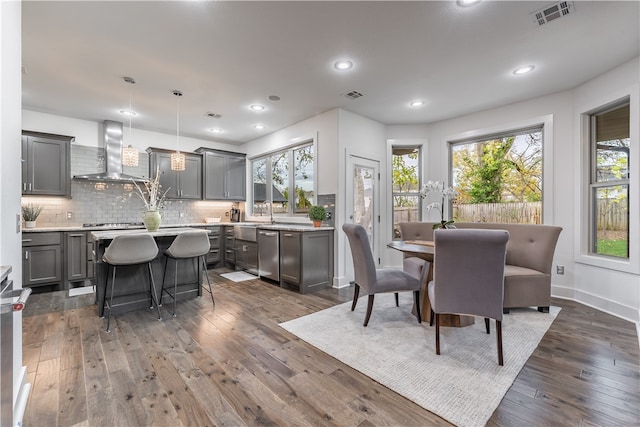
24	186
27	240
288	235
26	255
29	186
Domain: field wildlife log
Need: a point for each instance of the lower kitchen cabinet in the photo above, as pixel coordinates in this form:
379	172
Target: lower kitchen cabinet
247	256
76	256
42	261
306	260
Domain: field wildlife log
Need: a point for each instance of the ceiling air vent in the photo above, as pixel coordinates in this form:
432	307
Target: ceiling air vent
214	115
354	94
555	11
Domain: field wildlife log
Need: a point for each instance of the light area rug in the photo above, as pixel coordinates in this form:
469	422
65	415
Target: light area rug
83	290
239	276
463	385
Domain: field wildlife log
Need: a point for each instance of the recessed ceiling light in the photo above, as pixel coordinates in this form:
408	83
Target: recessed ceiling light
417	103
216	130
257	107
258	127
128	113
523	70
343	65
467	3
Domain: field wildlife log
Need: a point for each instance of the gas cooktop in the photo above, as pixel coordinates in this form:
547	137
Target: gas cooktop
113	224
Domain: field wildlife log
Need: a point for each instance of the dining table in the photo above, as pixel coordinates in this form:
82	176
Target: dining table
425	249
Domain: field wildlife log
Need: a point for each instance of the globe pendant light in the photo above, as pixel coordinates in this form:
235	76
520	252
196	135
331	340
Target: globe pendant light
177	158
130	154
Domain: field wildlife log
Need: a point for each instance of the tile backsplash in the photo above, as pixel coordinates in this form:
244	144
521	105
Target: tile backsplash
108	202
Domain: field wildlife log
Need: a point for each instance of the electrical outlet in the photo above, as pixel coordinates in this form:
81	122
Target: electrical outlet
328	214
69	215
181	214
560	269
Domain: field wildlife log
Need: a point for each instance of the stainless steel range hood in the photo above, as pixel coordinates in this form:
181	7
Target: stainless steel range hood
113	140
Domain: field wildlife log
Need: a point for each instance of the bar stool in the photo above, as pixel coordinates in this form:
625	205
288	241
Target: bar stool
190	244
130	249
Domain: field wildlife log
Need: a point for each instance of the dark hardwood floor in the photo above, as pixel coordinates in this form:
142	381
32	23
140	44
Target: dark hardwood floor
233	365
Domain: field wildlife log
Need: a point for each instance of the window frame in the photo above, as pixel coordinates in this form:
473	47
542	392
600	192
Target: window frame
420	173
479	136
594	185
267	156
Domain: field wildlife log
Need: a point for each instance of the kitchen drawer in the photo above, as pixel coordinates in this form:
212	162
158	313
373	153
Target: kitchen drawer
214	241
213	256
39	239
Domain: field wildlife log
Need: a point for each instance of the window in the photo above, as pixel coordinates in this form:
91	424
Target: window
283	181
406	171
609	181
498	178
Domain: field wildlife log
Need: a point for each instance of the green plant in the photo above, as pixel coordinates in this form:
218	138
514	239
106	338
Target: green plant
30	212
317	213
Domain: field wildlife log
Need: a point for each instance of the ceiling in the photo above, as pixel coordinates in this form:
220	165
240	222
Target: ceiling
225	56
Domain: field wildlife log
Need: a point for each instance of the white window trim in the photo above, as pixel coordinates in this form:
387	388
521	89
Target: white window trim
582	142
295	218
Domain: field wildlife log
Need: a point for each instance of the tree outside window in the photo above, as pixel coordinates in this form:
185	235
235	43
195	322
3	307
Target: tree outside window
499	178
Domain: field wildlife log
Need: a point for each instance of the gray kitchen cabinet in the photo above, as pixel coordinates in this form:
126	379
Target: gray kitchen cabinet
306	260
42	260
46	169
75	256
224	175
186	184
214	257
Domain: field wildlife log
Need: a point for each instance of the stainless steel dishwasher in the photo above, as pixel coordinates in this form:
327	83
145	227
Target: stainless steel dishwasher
269	254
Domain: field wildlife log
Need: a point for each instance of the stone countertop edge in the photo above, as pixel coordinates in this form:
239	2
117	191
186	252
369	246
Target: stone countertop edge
279	227
163	232
4	271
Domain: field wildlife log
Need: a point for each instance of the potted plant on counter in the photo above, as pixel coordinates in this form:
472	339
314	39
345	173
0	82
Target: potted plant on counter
30	213
317	214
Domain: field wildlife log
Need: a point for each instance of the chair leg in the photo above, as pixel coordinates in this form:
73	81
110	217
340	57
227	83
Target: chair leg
154	293
499	334
356	294
486	325
416	300
113	285
397	304
437	333
175	288
431	318
369	309
204	266
164	279
543	309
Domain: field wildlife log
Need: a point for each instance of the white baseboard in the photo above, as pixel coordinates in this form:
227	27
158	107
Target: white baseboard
622	311
340	282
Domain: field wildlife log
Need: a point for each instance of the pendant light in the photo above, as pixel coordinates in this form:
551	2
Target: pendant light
177	158
130	153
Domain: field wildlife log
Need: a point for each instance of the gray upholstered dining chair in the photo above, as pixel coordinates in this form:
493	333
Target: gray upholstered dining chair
129	249
374	281
468	276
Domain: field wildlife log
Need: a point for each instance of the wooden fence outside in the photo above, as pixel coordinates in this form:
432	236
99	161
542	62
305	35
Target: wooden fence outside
610	216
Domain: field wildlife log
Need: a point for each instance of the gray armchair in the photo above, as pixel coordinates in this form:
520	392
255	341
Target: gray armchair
374	281
468	276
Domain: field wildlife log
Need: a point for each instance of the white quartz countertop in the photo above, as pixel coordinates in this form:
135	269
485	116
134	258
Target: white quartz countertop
162	232
138	228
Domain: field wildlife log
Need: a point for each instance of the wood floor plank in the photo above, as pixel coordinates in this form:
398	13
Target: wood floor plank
232	364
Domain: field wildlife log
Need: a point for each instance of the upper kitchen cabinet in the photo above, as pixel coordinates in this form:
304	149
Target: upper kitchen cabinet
224	175
186	184
46	168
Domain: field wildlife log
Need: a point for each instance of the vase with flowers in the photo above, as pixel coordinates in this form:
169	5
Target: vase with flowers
446	194
153	198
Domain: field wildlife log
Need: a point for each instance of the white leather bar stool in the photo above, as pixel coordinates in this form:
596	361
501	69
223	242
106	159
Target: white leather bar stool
190	244
130	249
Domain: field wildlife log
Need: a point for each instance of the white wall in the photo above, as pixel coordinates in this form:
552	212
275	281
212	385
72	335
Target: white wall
89	133
603	286
10	165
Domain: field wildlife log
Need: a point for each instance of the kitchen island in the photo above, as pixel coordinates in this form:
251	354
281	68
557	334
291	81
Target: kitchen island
131	291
